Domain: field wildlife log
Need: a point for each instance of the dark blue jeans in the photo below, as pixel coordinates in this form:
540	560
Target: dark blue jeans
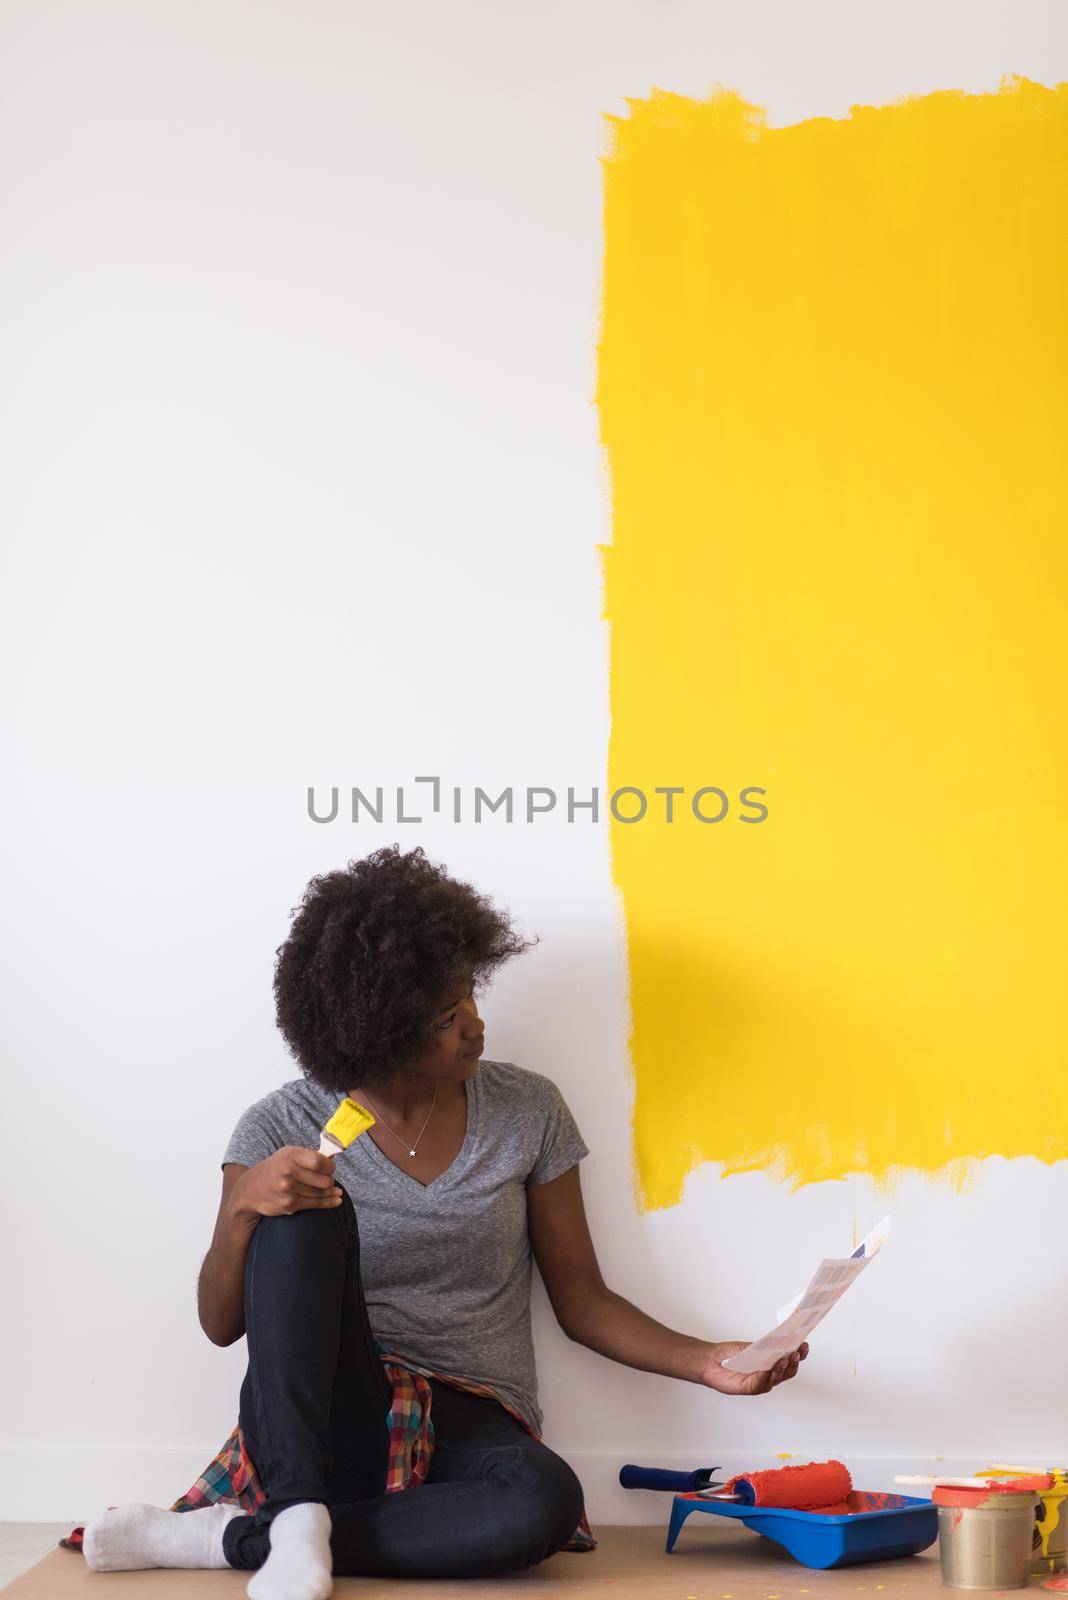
313	1408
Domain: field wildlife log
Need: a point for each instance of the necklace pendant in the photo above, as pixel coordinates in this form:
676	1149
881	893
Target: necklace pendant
411	1152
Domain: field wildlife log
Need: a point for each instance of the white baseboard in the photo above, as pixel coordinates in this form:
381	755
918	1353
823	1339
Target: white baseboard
51	1483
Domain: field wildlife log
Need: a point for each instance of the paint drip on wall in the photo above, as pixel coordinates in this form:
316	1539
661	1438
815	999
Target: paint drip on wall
833	392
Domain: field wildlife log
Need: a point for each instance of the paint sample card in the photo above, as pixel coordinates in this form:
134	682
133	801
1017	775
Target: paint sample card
797	1319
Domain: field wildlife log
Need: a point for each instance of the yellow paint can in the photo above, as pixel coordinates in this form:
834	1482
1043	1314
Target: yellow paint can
1050	1551
1049	1546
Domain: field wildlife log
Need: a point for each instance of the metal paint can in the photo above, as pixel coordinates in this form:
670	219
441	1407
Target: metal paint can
985	1537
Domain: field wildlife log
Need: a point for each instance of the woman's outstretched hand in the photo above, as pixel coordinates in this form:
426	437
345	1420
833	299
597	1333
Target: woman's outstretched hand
716	1376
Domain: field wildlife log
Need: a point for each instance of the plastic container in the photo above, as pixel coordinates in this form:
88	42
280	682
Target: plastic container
985	1537
878	1528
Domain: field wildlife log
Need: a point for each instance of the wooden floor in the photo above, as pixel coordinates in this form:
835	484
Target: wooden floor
708	1563
22	1544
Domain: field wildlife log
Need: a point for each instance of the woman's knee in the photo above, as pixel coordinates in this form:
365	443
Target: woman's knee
549	1505
293	1230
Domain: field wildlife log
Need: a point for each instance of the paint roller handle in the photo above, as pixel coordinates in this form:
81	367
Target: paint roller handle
632	1477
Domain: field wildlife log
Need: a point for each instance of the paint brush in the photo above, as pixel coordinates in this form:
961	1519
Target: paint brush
920	1480
348	1122
985	1482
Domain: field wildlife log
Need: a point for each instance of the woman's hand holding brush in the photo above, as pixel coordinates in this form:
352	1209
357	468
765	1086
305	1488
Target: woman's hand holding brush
292	1179
295	1178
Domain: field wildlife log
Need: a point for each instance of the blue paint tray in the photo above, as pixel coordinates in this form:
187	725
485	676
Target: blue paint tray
882	1527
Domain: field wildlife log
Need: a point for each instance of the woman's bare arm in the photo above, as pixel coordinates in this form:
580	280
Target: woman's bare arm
221	1287
592	1314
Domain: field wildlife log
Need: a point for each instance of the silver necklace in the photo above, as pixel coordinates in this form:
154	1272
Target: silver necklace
411	1148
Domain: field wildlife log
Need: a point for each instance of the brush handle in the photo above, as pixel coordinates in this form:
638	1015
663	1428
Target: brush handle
948	1483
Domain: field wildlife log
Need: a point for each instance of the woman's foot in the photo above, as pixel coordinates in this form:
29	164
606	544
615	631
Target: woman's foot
299	1565
140	1535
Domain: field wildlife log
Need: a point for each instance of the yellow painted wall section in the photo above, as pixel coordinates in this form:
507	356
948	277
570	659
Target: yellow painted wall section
833	391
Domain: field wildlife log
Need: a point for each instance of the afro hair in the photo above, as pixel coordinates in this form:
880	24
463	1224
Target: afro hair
371	957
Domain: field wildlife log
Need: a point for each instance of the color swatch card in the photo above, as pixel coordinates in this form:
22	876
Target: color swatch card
796	1320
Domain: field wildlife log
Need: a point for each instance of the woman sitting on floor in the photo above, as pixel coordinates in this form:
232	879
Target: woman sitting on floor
397	1354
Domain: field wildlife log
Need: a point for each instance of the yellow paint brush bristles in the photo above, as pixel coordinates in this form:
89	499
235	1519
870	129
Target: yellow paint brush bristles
348	1122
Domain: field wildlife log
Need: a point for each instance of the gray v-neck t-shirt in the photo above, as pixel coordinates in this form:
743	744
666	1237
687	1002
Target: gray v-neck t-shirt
446	1266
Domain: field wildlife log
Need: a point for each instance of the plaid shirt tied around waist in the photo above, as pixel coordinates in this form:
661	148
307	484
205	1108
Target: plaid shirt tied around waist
231	1475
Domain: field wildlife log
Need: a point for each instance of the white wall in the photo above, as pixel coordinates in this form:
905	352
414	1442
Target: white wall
298	309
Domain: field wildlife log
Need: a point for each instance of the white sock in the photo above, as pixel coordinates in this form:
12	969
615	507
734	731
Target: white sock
299	1565
140	1535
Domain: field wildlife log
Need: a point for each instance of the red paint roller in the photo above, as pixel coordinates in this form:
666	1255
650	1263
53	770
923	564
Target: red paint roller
822	1486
